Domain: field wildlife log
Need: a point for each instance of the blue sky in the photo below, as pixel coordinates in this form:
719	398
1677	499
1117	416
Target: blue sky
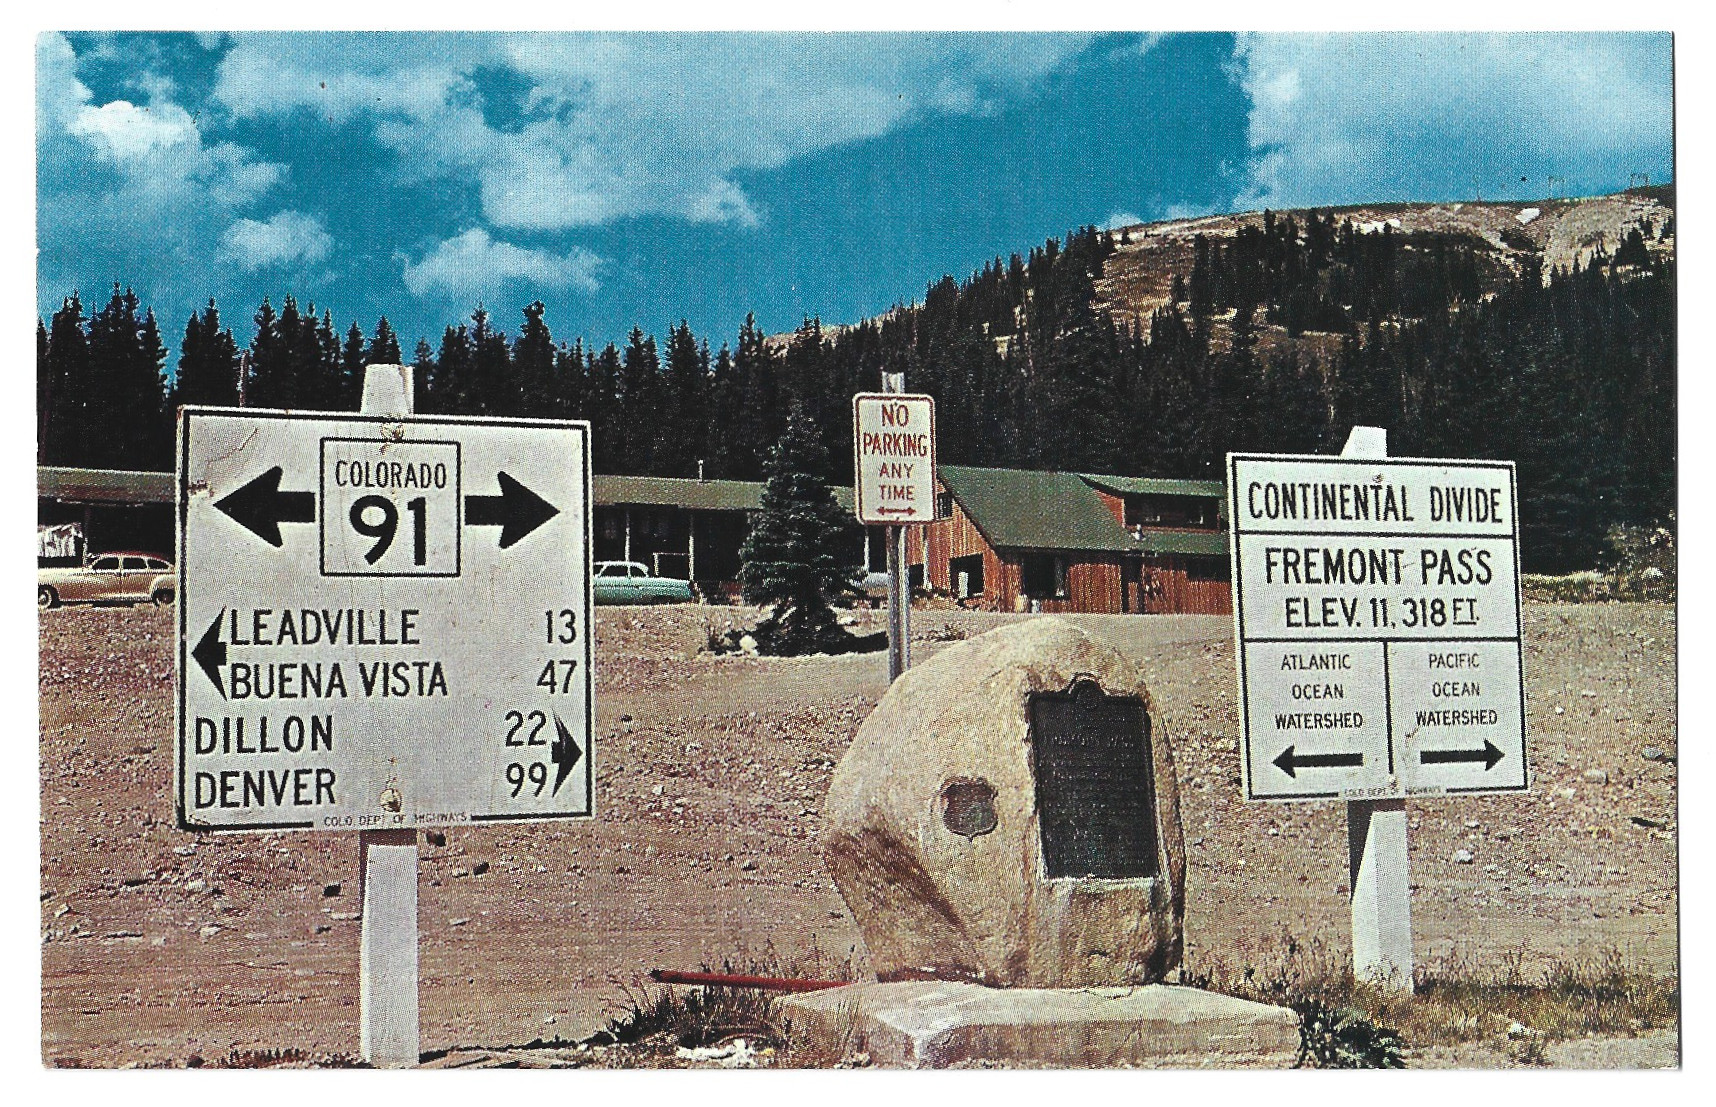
643	178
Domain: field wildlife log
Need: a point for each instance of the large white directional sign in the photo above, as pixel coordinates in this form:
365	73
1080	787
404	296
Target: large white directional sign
383	622
893	441
1377	610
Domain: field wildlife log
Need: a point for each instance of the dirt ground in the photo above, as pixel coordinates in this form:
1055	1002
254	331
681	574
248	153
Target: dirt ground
159	946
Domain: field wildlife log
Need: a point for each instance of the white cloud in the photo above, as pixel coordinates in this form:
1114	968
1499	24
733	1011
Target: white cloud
289	237
1349	117
612	126
59	93
473	266
1120	219
126	133
156	148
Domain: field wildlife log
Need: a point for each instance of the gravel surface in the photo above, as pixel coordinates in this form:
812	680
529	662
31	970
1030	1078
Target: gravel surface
160	945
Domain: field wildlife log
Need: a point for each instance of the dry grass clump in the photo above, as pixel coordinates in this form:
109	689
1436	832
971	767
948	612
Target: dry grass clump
1456	1000
667	1017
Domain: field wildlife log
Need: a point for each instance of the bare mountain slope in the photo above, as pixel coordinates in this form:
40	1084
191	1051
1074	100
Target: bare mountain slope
1138	278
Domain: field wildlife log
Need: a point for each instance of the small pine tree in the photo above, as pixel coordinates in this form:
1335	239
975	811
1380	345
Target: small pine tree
802	552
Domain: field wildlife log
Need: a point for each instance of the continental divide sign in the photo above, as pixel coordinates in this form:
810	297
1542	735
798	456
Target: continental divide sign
1377	612
383	622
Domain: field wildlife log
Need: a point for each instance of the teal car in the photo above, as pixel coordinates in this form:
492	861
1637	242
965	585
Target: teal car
630	582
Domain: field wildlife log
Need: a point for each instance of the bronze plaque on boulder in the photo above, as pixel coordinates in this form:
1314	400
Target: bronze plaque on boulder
1096	799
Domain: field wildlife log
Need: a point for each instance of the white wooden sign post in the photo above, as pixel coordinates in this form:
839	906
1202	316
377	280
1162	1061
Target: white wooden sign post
383	626
894	484
1377	624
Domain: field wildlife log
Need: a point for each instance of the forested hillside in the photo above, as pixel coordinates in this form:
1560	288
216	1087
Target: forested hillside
1543	335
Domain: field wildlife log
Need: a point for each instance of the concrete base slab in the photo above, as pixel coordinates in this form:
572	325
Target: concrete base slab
935	1023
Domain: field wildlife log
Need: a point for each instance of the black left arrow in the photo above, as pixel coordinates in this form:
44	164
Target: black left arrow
1489	755
516	511
564	752
210	653
1290	763
260	507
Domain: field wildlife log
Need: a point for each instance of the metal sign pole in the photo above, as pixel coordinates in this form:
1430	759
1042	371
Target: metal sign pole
1377	866
899	583
387	864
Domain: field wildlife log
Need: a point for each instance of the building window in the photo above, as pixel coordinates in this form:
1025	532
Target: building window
1208	568
1044	577
944	505
1171	511
965	576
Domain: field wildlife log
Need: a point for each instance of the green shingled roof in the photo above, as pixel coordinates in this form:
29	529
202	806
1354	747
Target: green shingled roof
1158	486
1037	510
103	486
1162	486
693	495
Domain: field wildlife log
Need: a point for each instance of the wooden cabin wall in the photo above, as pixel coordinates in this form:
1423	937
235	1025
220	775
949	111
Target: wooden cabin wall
1173	591
1115	505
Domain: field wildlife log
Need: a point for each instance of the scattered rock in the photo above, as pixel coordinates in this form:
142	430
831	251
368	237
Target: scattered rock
1654	753
210	930
198	885
344	916
1464	857
479	868
1595	776
749	865
736	1054
330	890
457	922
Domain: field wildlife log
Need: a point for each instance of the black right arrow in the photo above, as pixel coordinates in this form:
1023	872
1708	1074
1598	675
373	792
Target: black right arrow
210	653
1290	764
260	507
1489	755
516	511
564	752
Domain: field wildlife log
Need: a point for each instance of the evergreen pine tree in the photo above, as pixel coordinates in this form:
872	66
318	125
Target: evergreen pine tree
208	363
802	552
352	362
639	415
451	384
422	371
491	369
126	397
686	407
63	387
267	357
533	390
384	347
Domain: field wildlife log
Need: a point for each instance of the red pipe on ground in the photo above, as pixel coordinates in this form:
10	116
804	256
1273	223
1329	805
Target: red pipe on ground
740	980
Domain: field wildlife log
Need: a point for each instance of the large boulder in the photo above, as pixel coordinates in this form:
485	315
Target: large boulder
934	827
